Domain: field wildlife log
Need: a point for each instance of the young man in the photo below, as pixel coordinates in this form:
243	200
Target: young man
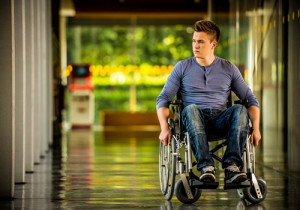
205	82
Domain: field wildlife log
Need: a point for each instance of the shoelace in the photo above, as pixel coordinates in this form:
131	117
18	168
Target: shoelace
233	168
208	168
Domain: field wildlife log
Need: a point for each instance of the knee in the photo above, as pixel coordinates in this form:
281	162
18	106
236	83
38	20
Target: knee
244	115
193	120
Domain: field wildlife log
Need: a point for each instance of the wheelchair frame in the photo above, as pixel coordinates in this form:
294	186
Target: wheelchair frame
188	189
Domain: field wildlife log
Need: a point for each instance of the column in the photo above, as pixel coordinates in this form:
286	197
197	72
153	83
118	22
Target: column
44	77
20	87
36	83
7	82
41	69
29	86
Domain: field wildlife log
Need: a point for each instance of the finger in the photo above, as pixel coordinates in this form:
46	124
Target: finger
255	143
165	142
162	141
251	139
167	139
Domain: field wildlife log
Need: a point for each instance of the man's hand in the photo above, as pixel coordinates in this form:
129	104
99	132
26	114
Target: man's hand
254	117
255	137
165	136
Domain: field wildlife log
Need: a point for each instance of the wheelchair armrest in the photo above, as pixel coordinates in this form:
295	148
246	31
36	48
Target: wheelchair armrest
242	102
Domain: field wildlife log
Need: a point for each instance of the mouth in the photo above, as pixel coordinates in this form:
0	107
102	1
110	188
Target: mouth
196	51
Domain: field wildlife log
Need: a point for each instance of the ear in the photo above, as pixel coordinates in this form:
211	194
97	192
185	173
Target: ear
214	44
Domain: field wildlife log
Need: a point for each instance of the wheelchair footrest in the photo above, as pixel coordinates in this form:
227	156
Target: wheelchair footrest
244	184
202	185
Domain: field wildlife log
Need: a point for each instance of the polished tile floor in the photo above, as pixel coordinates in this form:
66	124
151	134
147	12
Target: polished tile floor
119	170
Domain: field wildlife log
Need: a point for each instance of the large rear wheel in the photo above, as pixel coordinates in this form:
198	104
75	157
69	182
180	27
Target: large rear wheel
167	169
164	156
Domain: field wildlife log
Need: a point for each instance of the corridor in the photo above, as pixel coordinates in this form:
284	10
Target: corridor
102	65
119	170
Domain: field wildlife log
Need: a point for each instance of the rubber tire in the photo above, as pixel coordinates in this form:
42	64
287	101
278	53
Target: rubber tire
172	175
181	194
250	194
163	176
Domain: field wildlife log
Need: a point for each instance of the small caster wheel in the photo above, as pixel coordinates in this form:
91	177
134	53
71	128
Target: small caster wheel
181	193
250	194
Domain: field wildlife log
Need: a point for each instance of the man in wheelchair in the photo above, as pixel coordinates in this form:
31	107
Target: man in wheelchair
204	82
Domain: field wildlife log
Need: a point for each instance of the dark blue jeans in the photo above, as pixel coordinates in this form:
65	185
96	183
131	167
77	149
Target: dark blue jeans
201	124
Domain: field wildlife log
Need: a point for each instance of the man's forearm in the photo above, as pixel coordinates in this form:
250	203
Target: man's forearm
163	114
254	116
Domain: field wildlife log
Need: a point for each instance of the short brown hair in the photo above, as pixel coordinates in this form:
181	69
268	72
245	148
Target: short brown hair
208	27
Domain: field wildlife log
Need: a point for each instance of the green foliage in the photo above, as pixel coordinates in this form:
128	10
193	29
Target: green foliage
162	45
112	97
146	97
121	45
117	98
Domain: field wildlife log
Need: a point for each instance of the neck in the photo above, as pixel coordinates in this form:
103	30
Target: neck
206	61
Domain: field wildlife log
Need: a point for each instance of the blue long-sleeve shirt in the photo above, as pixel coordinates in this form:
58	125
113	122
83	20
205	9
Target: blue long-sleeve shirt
205	86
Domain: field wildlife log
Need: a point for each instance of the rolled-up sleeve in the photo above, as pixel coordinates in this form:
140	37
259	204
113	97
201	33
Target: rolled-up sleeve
170	88
241	89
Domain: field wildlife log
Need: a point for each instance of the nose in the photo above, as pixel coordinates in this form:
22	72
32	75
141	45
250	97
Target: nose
196	45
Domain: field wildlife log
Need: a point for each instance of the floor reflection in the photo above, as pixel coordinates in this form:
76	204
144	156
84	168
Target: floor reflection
119	170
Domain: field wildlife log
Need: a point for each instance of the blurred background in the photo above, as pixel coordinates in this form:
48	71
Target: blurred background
81	80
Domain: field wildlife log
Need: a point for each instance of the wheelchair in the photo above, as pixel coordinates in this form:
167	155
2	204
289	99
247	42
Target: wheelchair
188	188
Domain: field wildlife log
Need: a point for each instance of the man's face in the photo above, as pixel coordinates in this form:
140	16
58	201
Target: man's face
202	45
